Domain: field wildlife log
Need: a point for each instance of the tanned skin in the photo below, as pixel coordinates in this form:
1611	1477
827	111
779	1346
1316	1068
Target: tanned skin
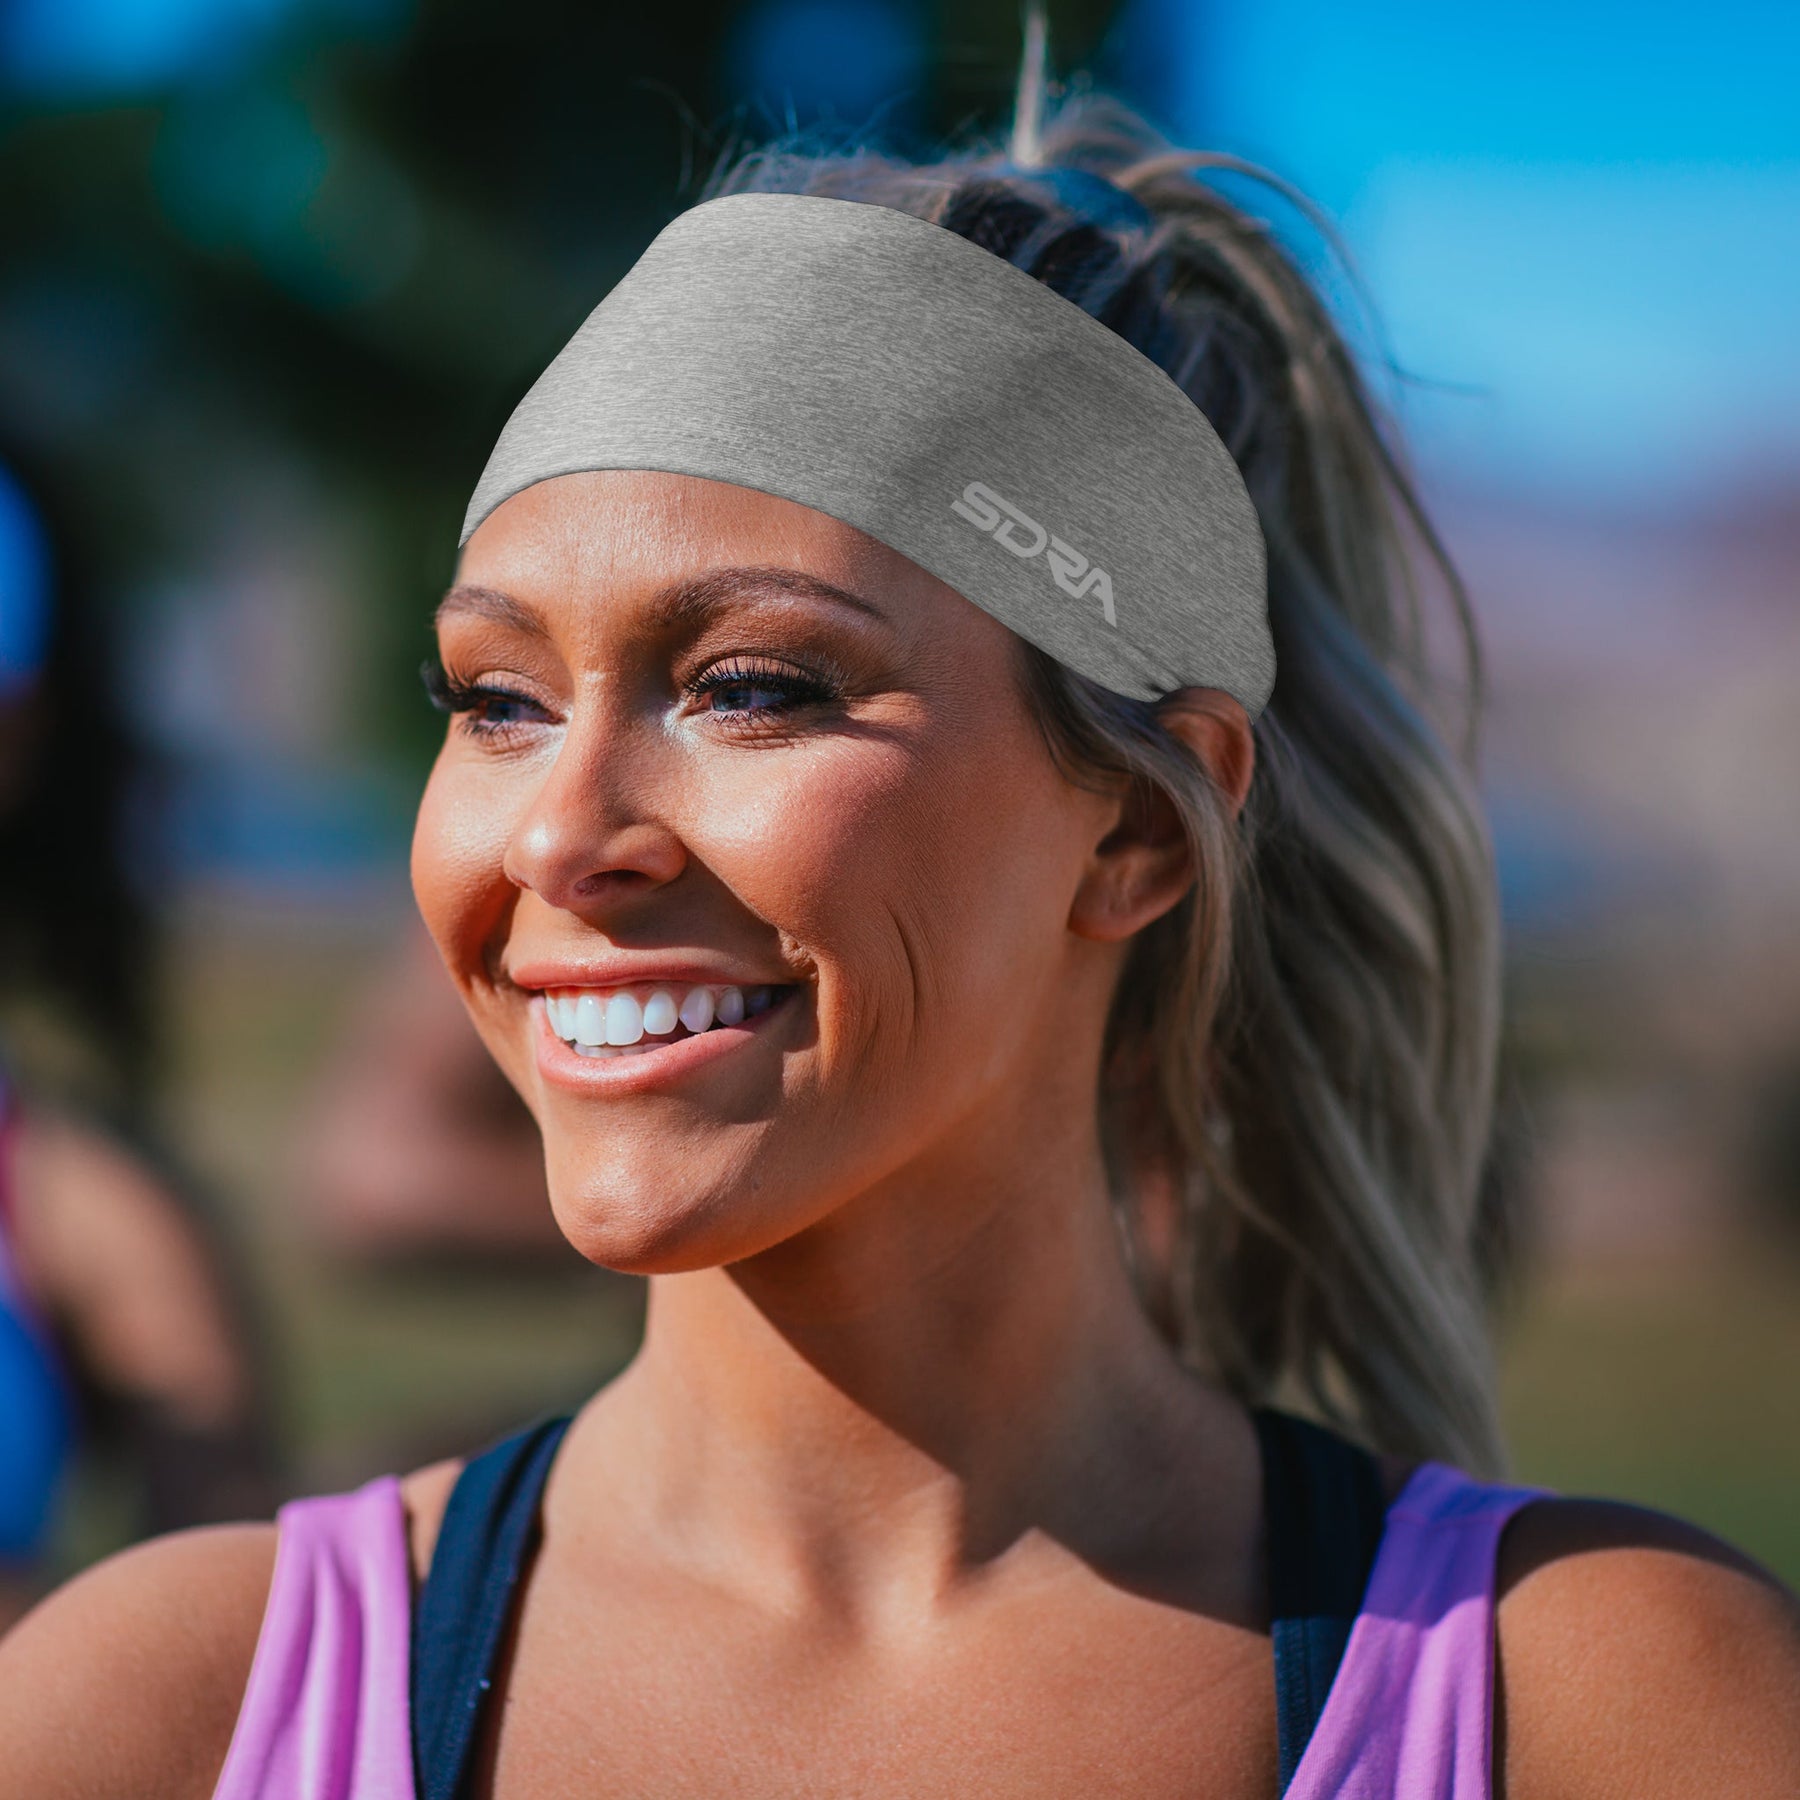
902	1495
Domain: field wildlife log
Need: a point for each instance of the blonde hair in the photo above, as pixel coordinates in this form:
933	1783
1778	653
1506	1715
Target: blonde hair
1300	1057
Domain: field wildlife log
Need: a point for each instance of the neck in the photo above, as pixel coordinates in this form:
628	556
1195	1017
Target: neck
938	1375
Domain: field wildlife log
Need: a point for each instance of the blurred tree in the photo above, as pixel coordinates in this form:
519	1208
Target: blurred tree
351	232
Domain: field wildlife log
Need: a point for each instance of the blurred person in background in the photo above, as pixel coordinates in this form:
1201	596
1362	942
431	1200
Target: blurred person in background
34	1416
414	1145
865	964
122	1329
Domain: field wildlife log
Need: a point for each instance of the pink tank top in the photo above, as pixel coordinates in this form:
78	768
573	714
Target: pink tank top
1410	1716
325	1714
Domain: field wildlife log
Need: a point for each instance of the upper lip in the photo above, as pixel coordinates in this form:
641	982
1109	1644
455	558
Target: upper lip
629	971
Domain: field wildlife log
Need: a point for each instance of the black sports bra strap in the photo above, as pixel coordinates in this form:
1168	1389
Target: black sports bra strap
459	1620
1324	1507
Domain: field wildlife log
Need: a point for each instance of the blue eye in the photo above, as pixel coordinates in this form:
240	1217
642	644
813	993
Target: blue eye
739	690
487	709
736	690
749	696
494	706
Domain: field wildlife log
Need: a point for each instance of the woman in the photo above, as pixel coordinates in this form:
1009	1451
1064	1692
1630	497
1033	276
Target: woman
34	1411
121	1327
1015	1030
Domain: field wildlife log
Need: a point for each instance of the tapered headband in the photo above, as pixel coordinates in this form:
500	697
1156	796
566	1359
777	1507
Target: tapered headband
898	377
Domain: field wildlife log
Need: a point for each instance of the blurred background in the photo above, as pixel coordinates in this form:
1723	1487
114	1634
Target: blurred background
273	273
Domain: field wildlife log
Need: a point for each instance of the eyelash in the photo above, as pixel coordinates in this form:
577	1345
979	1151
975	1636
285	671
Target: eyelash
455	697
801	689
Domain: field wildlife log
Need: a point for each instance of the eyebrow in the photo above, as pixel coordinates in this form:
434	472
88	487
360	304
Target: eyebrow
695	600
492	605
682	603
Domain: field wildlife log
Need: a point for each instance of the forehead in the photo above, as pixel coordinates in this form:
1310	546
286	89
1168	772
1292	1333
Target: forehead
631	532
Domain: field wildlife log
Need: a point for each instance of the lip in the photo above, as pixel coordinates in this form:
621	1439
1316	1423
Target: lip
675	1061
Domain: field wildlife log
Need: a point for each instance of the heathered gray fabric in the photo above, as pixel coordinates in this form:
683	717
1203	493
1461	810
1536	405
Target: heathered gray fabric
872	365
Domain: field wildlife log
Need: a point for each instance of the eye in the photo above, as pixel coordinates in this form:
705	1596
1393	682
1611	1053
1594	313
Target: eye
488	710
748	690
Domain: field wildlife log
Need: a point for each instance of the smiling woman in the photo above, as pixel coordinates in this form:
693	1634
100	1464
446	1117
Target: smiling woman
1022	1036
783	762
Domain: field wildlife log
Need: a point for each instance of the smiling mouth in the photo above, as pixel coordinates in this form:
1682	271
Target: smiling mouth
613	1022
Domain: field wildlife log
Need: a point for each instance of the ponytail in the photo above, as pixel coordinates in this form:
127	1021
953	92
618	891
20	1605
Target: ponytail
1300	1057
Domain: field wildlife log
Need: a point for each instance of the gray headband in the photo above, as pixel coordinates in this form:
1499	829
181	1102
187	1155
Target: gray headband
898	377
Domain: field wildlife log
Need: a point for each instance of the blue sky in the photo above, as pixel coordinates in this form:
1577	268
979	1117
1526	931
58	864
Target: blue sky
1588	212
100	48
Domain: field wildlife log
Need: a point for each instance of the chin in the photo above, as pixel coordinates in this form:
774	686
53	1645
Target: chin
665	1233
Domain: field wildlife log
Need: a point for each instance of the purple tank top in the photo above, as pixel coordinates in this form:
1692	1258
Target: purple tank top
1410	1716
325	1714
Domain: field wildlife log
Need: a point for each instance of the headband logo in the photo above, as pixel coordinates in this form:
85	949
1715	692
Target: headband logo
1026	538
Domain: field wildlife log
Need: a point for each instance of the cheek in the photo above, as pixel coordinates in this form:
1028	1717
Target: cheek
929	878
458	851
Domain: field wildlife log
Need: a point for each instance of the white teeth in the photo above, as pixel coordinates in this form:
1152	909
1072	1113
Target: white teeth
590	1020
614	1023
624	1020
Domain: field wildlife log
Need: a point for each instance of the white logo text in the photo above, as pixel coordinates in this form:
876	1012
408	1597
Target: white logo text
1026	538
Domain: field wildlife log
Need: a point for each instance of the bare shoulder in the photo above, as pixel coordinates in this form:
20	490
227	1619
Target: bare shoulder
424	1494
128	1680
1639	1655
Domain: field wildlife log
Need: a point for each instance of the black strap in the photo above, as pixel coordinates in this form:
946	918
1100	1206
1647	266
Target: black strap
1323	1503
489	1526
1324	1507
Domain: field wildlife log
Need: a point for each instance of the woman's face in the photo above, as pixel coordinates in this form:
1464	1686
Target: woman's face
716	748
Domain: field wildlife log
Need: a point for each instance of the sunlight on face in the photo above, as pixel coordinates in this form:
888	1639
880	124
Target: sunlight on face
704	738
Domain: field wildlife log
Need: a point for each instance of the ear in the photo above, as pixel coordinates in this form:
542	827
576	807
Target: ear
1141	867
1216	728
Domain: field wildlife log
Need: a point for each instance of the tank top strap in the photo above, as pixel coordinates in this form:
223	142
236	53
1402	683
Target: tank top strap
1411	1711
325	1712
1323	1508
489	1528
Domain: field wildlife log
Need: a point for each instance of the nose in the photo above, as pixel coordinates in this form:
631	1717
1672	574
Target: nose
592	832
